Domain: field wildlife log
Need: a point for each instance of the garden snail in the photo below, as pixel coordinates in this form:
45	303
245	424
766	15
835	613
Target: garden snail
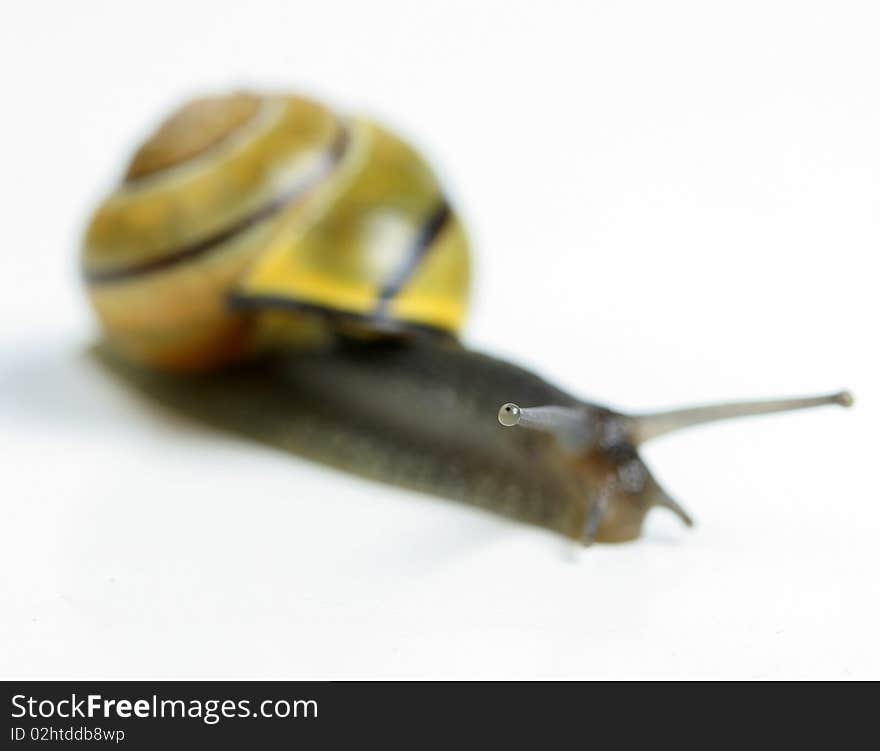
298	277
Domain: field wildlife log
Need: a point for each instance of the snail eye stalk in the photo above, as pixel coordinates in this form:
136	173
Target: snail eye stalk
648	426
573	427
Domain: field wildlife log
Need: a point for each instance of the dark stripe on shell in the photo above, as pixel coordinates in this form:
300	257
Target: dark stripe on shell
201	247
376	322
420	246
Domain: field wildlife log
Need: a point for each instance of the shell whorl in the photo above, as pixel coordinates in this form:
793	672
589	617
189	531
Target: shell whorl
192	130
238	205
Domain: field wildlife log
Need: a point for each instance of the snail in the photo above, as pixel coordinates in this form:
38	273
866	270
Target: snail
272	268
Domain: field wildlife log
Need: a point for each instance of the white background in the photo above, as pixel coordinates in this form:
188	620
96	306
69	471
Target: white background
671	202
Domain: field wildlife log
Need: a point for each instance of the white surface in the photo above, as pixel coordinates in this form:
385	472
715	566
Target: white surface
672	202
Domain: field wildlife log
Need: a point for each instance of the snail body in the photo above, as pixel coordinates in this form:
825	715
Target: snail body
275	270
419	415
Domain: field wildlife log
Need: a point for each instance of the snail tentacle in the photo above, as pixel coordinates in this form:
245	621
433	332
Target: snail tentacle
596	512
655	424
573	427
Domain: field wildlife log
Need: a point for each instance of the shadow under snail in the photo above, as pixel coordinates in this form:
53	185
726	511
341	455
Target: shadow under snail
271	268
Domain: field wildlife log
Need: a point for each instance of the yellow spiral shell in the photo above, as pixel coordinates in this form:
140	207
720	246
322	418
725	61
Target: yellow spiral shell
242	205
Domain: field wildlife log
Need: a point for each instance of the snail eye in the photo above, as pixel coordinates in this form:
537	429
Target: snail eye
509	414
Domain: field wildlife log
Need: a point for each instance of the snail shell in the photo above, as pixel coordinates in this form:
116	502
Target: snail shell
241	205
